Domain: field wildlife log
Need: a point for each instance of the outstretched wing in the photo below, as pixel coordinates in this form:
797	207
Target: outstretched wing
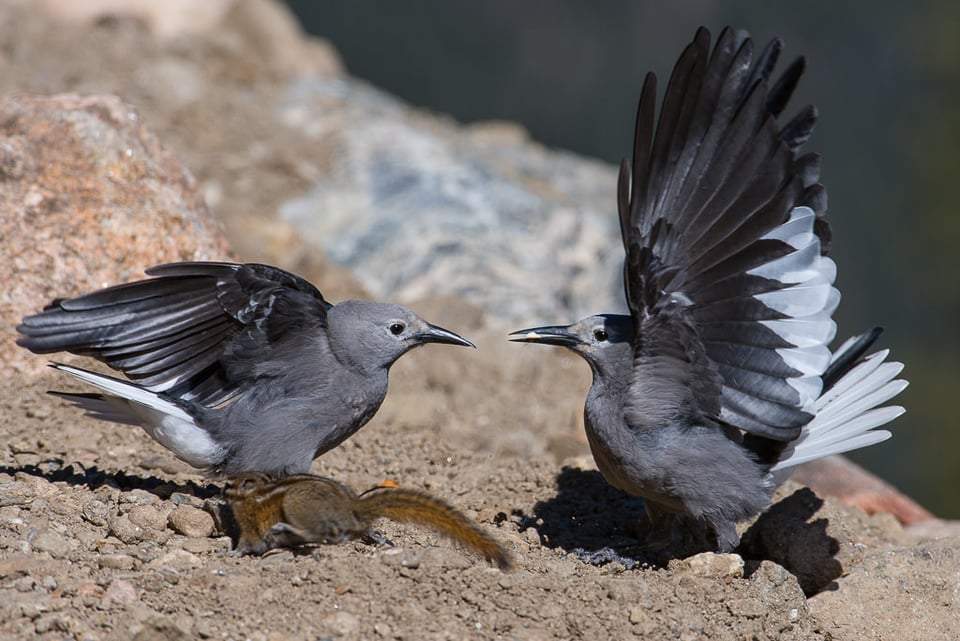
185	331
722	224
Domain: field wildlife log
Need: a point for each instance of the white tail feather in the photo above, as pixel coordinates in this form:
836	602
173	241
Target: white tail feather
834	418
848	413
865	439
99	408
857	375
164	420
125	390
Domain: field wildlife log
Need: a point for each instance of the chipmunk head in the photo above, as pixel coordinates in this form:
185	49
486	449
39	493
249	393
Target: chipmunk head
241	486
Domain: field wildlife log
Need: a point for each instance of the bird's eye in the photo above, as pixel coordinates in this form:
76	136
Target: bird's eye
600	335
397	328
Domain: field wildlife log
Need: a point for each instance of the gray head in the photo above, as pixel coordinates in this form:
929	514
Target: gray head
605	340
374	335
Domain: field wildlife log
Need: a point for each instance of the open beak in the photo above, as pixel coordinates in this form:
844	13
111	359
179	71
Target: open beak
435	334
550	335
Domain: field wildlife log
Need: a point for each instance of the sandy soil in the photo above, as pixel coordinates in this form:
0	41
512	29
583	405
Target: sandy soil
89	549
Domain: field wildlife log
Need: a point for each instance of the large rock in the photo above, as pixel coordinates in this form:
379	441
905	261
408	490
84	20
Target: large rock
331	172
166	19
89	198
419	207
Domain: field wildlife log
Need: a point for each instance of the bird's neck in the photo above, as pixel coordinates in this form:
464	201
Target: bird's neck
613	374
355	359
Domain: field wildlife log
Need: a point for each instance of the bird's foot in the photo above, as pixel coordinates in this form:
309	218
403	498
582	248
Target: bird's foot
605	555
373	537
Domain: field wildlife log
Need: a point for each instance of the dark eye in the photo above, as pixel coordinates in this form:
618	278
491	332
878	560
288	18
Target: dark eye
397	328
600	335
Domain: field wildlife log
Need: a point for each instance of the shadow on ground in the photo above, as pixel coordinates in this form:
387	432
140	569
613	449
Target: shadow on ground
54	470
592	520
794	534
597	523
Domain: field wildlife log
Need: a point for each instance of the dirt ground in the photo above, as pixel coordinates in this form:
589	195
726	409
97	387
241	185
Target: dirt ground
89	548
104	535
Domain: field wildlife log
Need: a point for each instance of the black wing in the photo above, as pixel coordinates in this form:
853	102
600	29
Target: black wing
180	331
723	230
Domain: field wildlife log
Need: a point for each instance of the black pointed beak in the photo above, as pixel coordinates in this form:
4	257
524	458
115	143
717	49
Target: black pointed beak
435	334
549	335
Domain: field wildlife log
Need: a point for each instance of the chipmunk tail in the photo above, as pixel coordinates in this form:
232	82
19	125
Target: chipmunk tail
412	506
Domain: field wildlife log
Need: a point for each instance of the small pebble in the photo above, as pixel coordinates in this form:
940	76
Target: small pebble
119	592
179	498
117	561
51	542
710	565
531	536
197	546
148	517
51	623
123	529
14	493
342	624
411	560
34	608
175	561
190	521
138	497
24	584
154	581
96	512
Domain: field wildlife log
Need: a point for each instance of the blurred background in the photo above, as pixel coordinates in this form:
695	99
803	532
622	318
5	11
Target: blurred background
885	76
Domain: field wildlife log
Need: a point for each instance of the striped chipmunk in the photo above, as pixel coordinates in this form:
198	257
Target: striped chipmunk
303	508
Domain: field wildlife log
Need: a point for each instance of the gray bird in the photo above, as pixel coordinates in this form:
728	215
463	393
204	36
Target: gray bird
234	368
719	381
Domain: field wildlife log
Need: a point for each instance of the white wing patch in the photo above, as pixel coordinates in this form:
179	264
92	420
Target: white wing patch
808	300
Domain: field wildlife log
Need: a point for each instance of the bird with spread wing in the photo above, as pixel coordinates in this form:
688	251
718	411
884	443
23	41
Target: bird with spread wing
233	367
720	379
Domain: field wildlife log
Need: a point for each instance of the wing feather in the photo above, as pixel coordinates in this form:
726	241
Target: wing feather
723	227
179	331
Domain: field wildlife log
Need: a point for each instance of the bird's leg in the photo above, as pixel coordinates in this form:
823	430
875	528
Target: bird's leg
727	537
373	537
659	527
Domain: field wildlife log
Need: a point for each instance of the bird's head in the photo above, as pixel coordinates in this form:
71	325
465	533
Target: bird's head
375	335
601	340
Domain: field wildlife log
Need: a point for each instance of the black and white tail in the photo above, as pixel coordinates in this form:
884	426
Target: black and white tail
160	416
849	409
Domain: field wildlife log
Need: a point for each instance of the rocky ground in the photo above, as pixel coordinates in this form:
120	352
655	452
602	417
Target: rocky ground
104	535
